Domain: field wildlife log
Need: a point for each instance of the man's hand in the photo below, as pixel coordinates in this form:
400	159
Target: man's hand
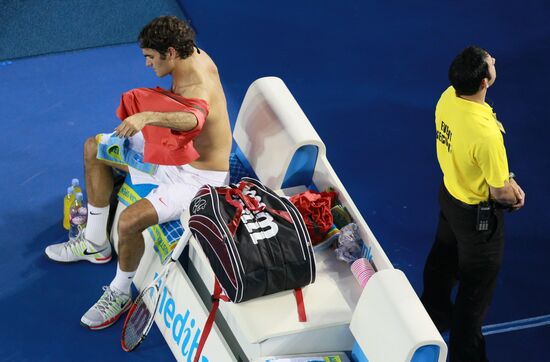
132	125
520	195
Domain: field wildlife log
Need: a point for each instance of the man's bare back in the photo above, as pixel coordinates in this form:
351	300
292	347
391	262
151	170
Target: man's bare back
199	75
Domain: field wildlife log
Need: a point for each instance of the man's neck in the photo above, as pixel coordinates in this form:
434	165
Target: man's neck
185	74
478	97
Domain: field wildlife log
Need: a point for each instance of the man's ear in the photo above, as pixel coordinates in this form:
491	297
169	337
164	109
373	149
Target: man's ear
484	83
172	53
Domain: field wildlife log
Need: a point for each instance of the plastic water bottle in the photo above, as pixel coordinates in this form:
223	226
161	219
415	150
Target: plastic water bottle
67	201
79	216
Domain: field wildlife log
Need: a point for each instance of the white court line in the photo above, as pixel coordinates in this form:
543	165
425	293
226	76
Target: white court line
516	325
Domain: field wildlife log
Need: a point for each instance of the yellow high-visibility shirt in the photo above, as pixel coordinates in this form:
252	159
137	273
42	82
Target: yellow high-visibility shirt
470	148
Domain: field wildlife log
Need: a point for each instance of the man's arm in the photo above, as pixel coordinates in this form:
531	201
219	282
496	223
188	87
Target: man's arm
178	121
491	157
510	195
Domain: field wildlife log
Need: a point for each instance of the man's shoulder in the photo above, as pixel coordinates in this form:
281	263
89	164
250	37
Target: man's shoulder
448	94
193	91
446	101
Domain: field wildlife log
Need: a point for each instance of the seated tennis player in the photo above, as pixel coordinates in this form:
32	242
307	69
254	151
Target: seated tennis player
185	131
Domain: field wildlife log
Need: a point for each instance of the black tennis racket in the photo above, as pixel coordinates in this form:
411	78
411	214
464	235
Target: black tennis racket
142	312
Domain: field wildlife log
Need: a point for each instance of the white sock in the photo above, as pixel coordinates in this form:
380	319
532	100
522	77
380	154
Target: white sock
122	281
96	227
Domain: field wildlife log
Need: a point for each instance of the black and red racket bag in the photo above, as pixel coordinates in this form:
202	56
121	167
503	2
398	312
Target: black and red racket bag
256	241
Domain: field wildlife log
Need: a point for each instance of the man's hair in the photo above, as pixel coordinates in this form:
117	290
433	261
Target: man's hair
168	31
468	69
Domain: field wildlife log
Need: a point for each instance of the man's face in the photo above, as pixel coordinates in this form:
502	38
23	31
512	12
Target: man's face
492	70
155	60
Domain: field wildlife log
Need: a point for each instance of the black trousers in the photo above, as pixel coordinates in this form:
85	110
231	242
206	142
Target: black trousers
471	258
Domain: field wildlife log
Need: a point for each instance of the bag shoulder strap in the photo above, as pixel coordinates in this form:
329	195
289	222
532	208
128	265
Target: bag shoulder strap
302	317
216	297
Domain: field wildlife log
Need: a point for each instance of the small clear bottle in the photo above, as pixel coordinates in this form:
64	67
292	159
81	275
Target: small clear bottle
79	216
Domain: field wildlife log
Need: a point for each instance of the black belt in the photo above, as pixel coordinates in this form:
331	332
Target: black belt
460	203
494	205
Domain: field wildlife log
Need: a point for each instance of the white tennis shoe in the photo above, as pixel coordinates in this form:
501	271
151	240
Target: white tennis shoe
107	310
79	249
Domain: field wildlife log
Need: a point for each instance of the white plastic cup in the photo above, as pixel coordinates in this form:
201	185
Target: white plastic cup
362	270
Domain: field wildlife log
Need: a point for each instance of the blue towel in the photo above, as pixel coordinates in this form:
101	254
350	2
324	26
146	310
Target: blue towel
117	150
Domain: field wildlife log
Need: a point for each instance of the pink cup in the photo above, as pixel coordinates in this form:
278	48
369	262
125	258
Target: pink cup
362	270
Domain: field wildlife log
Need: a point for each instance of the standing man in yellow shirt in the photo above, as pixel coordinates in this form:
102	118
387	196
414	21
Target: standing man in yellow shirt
477	186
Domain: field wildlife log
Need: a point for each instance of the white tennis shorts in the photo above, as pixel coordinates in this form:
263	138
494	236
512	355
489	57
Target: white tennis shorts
177	185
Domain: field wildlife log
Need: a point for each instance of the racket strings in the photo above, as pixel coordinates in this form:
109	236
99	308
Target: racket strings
137	324
141	315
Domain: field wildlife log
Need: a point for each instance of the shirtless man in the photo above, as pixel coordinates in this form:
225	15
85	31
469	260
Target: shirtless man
169	48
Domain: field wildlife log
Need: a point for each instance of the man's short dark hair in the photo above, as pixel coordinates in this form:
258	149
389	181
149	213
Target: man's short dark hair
168	31
468	69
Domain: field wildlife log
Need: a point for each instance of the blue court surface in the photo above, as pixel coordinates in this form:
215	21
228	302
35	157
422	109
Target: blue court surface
366	73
